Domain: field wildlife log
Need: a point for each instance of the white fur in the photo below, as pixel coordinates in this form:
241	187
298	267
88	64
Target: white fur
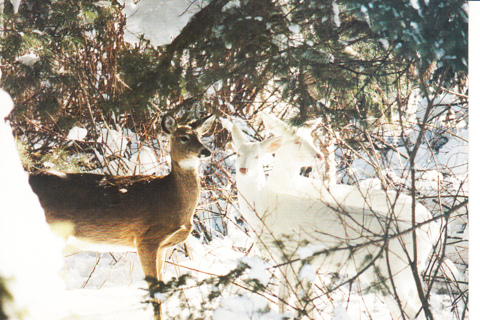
57	173
190	163
298	151
333	224
285	179
75	245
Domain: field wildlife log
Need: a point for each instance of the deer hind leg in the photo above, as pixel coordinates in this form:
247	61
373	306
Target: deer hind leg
402	298
287	280
409	304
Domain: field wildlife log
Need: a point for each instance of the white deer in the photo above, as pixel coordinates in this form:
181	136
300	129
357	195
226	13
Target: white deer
376	247
285	179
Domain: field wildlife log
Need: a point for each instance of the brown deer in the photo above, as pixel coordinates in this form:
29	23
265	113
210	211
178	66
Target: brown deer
148	213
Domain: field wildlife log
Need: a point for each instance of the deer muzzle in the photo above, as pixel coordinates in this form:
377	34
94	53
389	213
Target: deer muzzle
205	153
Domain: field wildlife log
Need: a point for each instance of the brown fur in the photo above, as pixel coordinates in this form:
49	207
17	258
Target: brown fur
146	212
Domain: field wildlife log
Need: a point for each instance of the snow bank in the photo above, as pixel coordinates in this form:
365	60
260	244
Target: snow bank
159	20
29	253
243	307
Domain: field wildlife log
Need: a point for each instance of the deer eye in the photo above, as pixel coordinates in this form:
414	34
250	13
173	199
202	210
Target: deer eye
184	139
297	141
256	157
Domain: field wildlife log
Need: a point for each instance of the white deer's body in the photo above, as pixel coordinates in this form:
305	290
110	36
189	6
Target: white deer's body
285	179
355	234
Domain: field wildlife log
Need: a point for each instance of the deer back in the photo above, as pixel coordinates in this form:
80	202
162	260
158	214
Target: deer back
120	210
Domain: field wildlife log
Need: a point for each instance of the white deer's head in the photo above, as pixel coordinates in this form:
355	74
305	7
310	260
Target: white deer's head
250	154
298	149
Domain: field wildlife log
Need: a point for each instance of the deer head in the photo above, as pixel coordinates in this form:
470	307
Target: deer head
250	154
186	146
298	146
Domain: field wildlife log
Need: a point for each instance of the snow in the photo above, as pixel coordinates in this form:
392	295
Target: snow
340	313
414	4
257	270
29	253
295	28
244	308
308	272
77	133
336	14
114	140
28	59
16	5
454	155
116	303
160	21
309	250
146	161
384	43
233	4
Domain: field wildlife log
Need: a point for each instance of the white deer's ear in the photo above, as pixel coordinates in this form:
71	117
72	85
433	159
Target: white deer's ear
238	136
309	126
169	124
274	125
273	144
227	124
314	123
203	125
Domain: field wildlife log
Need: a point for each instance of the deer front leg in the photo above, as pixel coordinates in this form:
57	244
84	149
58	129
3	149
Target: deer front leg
152	258
148	253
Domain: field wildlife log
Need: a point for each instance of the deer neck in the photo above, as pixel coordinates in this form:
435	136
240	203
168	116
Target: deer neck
185	173
186	184
252	185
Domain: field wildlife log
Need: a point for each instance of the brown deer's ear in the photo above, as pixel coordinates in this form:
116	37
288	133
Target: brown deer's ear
169	124
202	125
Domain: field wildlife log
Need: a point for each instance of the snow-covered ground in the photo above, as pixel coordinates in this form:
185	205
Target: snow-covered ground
29	253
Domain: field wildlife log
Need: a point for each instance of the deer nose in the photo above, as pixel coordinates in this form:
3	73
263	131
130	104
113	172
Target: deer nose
205	153
243	170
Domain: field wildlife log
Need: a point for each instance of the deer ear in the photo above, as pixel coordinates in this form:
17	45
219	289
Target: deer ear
203	125
238	136
273	144
169	124
274	125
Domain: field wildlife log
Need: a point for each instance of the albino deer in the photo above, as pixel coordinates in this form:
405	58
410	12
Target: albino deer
296	152
285	179
379	248
148	213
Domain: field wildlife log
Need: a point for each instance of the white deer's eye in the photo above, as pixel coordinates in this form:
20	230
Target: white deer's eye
184	139
256	157
297	141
